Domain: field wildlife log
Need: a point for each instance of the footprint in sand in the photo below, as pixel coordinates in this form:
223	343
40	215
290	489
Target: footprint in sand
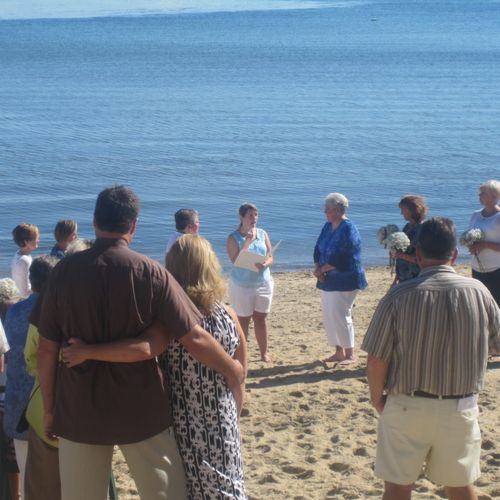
339	467
296	394
306	446
488	445
311	460
269	478
334	493
361	452
339	391
298	471
264	448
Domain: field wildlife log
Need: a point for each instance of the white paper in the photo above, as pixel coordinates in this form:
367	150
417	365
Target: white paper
247	259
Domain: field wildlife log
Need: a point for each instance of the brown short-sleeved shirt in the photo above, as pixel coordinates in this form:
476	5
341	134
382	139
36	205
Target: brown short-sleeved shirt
107	293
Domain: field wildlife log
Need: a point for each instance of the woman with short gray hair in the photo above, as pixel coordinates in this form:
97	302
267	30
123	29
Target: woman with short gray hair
486	254
337	259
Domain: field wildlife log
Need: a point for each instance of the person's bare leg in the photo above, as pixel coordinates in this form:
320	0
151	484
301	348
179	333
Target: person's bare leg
245	324
461	492
397	491
260	327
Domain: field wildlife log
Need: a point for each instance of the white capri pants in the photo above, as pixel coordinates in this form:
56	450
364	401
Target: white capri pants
337	317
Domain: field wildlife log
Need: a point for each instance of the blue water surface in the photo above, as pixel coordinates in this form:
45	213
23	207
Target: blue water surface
278	107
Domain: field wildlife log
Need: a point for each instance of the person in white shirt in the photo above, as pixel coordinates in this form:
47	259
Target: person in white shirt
27	238
486	254
187	221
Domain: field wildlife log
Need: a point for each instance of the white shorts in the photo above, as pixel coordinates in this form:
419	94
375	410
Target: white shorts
247	300
413	431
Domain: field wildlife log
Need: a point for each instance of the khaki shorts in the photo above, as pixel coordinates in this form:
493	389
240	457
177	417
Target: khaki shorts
436	435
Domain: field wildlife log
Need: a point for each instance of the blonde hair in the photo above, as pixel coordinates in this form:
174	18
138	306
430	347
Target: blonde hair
193	263
492	186
8	290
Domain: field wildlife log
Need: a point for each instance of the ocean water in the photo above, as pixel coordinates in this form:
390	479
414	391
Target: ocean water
210	107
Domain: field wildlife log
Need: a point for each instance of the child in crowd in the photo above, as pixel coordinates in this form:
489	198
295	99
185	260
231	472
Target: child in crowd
65	232
26	237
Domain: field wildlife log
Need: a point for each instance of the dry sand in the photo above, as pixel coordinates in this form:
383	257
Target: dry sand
308	430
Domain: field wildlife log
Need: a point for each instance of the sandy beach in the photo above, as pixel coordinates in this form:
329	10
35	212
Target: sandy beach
308	430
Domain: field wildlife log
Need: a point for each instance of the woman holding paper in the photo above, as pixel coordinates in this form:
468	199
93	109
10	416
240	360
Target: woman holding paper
337	259
251	290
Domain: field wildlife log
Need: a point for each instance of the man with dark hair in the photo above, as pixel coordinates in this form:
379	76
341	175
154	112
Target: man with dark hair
104	294
187	221
427	348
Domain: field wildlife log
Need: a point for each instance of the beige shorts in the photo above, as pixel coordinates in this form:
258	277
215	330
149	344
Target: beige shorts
435	435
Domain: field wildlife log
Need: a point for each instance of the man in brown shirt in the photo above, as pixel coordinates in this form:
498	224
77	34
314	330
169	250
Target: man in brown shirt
104	294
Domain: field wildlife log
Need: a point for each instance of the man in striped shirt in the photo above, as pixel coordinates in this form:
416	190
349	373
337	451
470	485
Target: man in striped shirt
427	348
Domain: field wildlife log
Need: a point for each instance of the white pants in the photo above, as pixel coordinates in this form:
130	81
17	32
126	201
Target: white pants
337	309
155	465
21	448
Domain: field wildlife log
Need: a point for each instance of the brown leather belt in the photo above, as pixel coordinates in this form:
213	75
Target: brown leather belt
422	394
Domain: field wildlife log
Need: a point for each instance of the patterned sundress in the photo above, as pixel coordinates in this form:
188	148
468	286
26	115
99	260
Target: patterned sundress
205	416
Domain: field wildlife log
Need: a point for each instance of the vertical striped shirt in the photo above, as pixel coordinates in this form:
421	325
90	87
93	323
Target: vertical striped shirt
434	332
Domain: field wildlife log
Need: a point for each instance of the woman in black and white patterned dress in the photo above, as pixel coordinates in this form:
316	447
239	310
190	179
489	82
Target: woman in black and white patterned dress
205	411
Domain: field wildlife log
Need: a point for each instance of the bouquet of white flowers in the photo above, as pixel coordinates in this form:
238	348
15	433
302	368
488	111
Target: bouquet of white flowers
384	232
468	238
383	235
398	242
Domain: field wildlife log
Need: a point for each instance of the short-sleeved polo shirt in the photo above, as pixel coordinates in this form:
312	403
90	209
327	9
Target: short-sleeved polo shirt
100	295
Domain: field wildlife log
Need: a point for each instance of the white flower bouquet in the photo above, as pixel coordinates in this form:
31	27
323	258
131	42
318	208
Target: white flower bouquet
384	232
398	242
383	235
470	237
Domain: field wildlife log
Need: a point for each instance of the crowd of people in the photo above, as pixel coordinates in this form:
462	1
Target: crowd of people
106	347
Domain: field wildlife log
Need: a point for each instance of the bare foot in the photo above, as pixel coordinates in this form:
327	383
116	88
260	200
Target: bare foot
333	359
348	361
266	358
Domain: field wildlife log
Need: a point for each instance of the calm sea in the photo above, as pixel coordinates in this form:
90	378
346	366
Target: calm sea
279	107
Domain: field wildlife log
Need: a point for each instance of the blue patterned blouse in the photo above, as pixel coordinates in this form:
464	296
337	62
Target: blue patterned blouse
340	248
19	383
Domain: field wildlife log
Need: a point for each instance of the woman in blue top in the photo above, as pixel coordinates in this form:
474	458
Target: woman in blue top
337	259
251	291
